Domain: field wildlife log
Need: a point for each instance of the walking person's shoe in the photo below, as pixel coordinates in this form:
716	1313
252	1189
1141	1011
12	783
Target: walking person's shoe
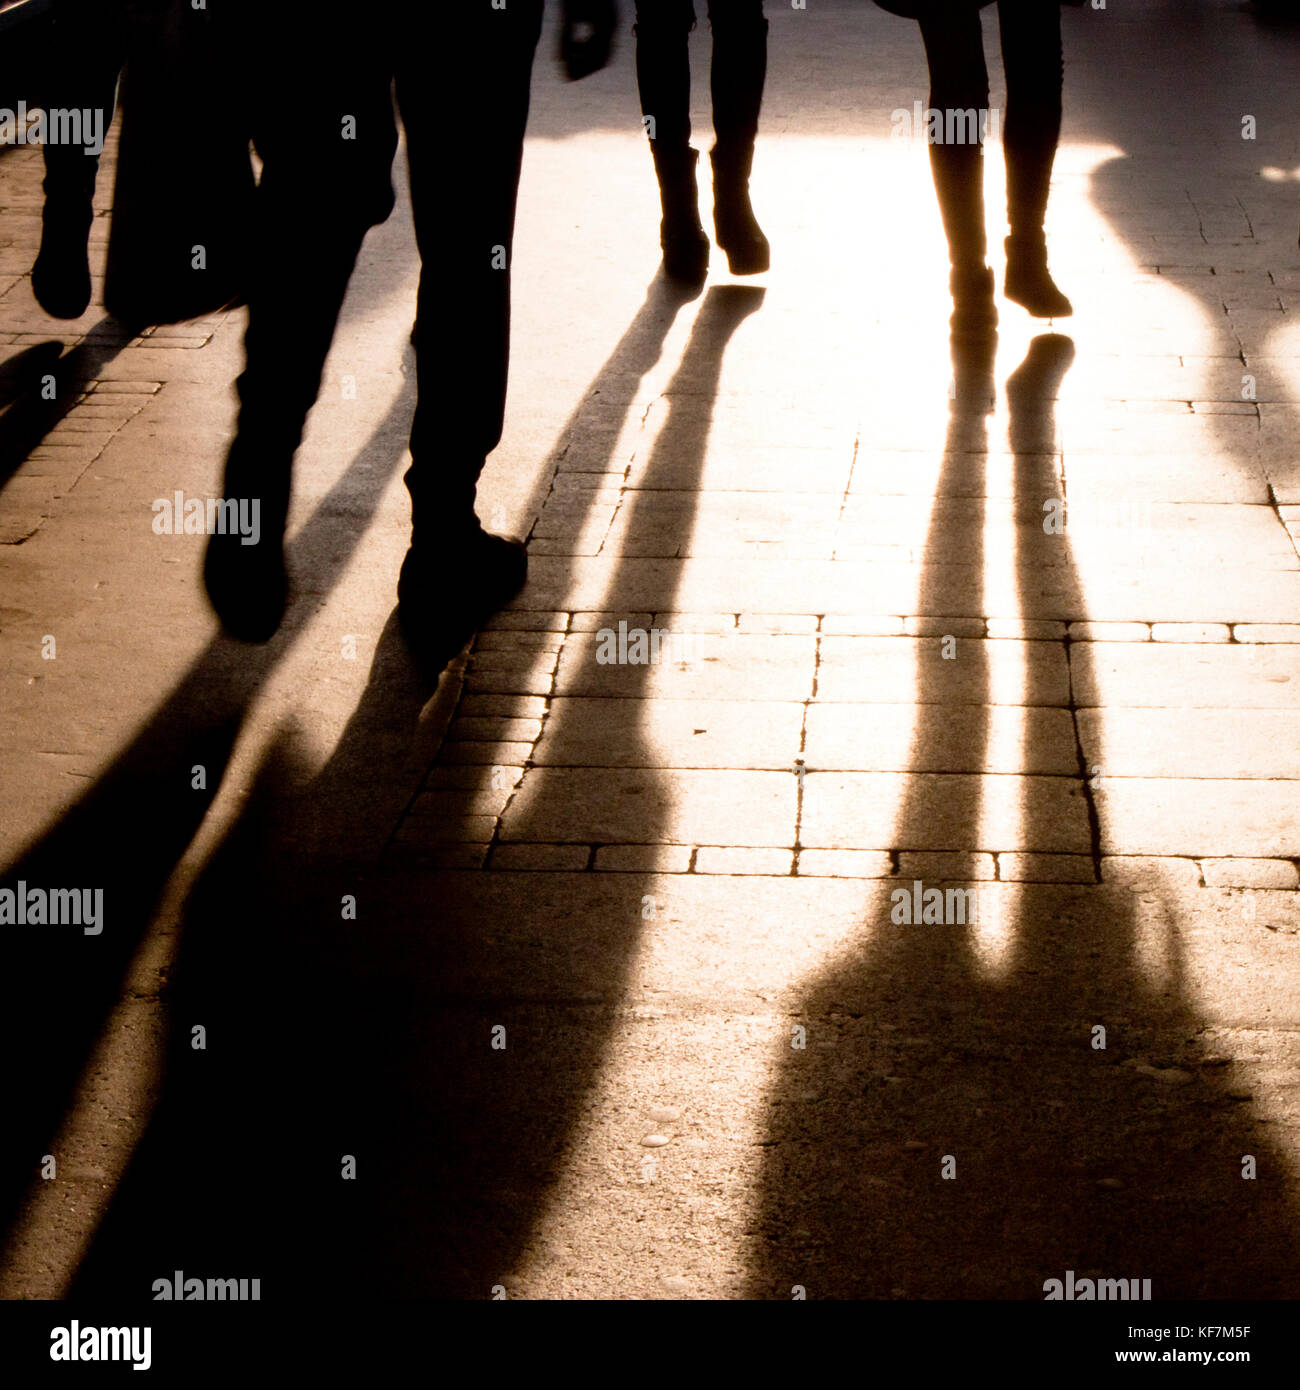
61	273
248	585
681	236
736	227
451	584
1029	283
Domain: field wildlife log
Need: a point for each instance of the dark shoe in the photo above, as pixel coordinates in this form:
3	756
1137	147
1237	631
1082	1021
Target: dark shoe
248	585
61	274
974	313
737	229
449	587
681	237
1029	283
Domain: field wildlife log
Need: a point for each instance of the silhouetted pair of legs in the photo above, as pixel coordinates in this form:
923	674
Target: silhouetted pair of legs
1031	52
737	75
326	134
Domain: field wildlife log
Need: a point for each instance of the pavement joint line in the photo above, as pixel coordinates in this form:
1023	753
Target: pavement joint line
1094	819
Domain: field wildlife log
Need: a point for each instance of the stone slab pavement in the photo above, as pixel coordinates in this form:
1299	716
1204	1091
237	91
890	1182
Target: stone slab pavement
614	962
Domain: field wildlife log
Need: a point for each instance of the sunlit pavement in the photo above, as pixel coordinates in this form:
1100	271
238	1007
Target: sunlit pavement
633	1003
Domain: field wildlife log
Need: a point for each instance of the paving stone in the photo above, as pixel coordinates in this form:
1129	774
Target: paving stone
596	732
939	738
943	812
1155	674
714	859
1109	632
1266	632
542	858
959	868
639	859
1192	743
496	730
692	666
942	627
1046	868
1033	630
1190	632
1250	873
845	863
627	805
481	752
1198	819
1144	871
980	671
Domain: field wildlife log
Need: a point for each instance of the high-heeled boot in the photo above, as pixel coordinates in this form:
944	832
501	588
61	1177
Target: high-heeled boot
1029	282
681	237
737	229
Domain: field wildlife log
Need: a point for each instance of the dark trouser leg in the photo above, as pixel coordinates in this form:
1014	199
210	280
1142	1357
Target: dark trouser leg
321	190
465	164
87	47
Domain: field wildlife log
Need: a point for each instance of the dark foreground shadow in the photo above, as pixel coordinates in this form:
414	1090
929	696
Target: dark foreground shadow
957	1135
348	1128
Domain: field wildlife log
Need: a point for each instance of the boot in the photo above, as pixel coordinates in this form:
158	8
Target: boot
61	273
450	584
685	247
1029	282
738	232
974	315
248	586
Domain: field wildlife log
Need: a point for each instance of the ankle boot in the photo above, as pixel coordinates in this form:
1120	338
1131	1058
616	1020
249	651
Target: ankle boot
681	237
61	273
973	312
738	232
1029	282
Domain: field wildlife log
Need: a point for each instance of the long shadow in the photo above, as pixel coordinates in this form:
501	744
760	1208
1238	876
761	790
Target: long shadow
968	1140
129	831
44	383
329	1037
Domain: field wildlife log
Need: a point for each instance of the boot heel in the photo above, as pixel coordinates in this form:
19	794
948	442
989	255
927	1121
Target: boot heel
738	233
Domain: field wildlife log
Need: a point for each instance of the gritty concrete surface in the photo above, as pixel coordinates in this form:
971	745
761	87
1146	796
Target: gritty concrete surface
580	978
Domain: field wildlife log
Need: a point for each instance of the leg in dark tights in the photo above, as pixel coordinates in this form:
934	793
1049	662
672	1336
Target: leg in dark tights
959	81
663	74
737	77
1031	53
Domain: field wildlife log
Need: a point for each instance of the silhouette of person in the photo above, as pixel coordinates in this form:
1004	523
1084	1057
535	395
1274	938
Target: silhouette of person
326	135
1031	53
737	75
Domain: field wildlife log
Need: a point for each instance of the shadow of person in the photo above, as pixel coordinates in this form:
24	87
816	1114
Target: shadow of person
953	1130
332	1036
127	834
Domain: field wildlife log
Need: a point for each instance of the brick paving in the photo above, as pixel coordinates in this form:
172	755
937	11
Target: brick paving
880	664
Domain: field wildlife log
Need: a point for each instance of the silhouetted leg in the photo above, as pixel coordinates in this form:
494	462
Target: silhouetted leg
87	47
464	189
954	49
738	74
1031	52
325	128
663	75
